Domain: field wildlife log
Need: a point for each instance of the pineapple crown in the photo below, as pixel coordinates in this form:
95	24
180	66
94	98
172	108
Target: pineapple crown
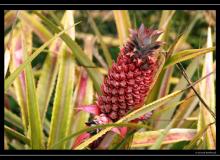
144	39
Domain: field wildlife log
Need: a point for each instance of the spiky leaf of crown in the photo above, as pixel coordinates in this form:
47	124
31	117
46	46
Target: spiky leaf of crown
144	39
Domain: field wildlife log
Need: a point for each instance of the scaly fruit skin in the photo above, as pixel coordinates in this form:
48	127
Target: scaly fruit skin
129	80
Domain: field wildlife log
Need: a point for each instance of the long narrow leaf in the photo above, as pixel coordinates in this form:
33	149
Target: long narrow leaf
123	24
36	131
207	90
148	138
186	55
48	78
103	45
11	78
13	119
78	54
6	61
84	94
17	57
37	27
62	107
17	135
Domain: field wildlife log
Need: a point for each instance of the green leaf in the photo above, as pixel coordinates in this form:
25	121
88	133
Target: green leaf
14	75
34	23
174	47
78	53
83	95
165	20
207	91
186	55
62	107
47	78
106	52
36	131
16	135
181	84
13	118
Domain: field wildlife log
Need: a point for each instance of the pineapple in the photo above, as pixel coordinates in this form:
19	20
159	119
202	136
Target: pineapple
129	80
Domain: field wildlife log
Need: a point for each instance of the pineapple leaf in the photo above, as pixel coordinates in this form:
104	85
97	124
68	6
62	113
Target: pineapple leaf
149	138
14	75
186	55
16	134
78	53
123	24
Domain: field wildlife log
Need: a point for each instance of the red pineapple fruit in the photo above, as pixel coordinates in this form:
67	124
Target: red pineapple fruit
131	78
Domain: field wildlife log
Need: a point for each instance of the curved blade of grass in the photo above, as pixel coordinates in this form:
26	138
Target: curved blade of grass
139	112
186	55
148	138
207	90
123	25
106	52
14	75
78	53
16	135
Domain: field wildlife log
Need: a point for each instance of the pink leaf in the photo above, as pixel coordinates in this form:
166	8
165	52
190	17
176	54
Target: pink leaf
116	130
80	139
93	109
122	131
